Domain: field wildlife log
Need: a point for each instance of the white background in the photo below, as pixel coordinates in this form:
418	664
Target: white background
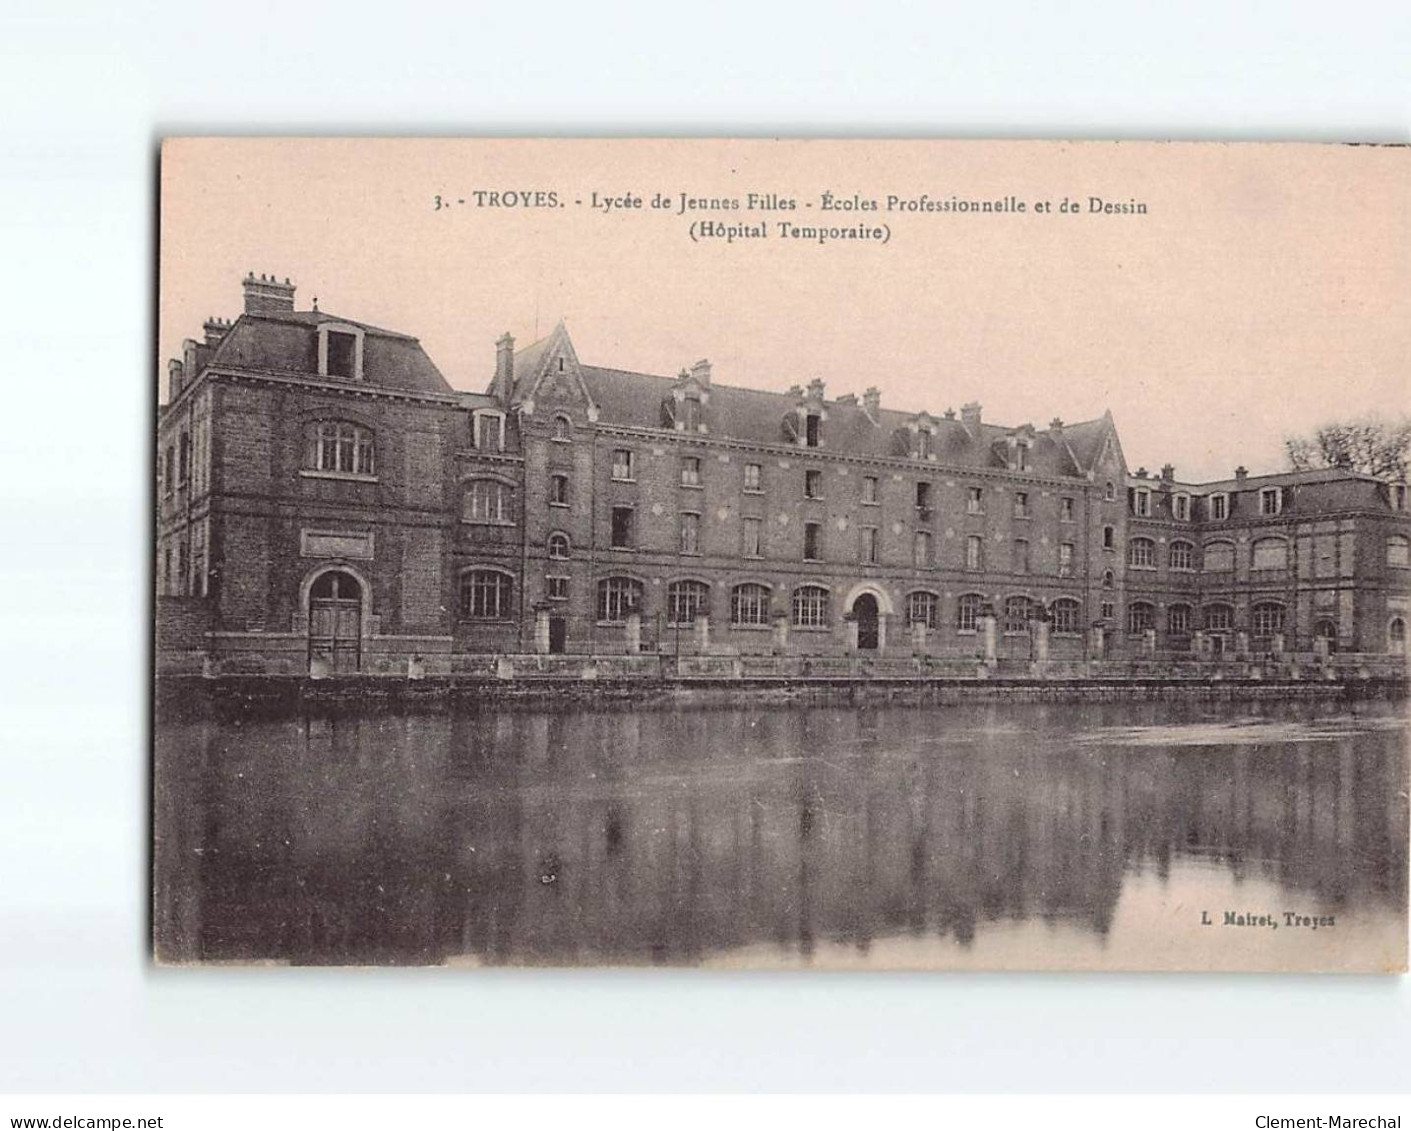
85	91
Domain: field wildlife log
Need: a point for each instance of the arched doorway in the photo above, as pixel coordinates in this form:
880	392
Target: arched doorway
1326	630
867	613
335	621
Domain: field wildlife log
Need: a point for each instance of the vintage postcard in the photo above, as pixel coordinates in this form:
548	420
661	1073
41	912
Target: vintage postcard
782	554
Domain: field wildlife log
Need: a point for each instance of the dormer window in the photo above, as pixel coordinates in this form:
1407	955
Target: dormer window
690	413
489	430
1141	502
340	351
923	444
1219	506
1181	507
1398	496
812	430
1271	501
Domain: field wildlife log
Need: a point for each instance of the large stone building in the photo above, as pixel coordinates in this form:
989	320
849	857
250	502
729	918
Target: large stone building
328	502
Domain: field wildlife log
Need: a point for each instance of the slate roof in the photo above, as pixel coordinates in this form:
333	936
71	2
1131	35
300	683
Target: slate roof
757	416
287	342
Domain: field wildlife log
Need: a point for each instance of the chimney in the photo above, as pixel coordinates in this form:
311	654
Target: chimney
815	388
1241	473
1142	473
872	401
795	391
970	415
847	400
267	295
701	372
1055	426
175	383
215	329
502	387
1168	473
950	414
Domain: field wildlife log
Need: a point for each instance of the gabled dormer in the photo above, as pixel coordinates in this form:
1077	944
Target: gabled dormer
685	407
1014	451
546	377
803	424
922	432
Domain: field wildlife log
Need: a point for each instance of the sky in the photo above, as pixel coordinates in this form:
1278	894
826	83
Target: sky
1265	290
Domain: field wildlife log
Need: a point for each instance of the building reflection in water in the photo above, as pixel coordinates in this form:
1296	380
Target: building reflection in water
660	836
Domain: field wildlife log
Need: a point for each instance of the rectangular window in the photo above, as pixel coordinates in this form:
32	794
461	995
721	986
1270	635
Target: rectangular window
1021	504
1109	610
1065	559
869	489
752	477
1181	508
183	472
1398	496
813	484
975	500
558	490
750	537
489	432
169	477
1141	502
690	471
811	430
869	545
812	541
1219	507
1021	555
622	464
1270	500
690	533
621	527
923	499
921	551
1065	509
974	552
342	354
557	588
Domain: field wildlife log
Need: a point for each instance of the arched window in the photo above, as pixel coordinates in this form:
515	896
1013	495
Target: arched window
1219	557
810	606
488	500
1270	553
618	596
685	601
1267	618
1396	636
559	548
1140	616
1109	579
563	428
967	612
1181	555
1109	492
1178	620
1141	553
1219	618
1065	615
339	446
1398	550
921	609
1016	614
749	604
335	585
486	594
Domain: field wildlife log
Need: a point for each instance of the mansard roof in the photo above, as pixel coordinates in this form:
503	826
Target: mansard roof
287	342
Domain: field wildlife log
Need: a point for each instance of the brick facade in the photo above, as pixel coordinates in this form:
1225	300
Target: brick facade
587	510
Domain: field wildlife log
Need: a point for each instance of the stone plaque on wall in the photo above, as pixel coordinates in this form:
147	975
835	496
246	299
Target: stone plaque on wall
336	544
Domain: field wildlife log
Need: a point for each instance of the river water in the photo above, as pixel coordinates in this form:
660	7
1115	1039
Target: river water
995	836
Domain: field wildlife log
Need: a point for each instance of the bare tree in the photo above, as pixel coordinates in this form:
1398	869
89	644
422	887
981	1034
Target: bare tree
1371	444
